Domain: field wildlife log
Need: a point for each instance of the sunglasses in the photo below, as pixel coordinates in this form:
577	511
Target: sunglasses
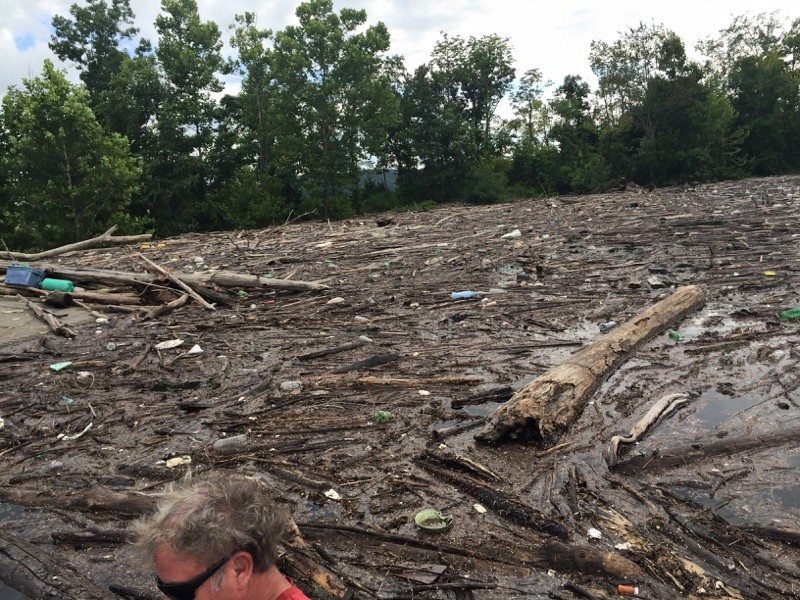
186	590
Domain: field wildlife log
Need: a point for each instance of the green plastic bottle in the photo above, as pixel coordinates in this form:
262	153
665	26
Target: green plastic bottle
791	315
57	285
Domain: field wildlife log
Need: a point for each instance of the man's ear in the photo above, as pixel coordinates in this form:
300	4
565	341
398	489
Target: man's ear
242	563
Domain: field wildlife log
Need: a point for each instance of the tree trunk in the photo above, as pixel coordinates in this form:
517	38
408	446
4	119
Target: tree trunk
548	406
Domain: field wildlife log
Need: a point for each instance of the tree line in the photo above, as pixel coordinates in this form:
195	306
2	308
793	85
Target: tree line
325	112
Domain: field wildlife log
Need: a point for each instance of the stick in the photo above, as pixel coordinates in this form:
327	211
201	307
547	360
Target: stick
160	311
52	322
99	297
105	238
176	280
548	406
663	407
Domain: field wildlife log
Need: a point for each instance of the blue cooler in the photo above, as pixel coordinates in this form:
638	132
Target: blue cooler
24	276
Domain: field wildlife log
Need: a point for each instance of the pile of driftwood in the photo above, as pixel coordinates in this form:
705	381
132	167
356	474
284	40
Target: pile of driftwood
132	291
581	450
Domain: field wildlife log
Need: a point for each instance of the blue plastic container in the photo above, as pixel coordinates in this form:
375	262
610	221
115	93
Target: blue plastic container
24	276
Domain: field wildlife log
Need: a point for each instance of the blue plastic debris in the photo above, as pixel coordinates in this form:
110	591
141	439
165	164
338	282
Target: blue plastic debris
465	295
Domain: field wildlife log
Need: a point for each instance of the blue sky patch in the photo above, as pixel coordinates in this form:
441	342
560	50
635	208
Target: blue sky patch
23	41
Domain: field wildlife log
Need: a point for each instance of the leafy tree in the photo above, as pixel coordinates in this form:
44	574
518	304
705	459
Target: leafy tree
91	39
533	117
65	177
336	99
188	54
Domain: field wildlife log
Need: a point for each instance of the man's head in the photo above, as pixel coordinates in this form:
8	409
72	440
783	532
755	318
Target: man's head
207	540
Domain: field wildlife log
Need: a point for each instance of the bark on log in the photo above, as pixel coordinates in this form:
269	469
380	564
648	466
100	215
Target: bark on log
220	278
176	280
164	309
686	454
97	297
585	559
100	240
546	408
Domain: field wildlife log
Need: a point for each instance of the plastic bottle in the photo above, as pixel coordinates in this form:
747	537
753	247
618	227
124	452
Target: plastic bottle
57	285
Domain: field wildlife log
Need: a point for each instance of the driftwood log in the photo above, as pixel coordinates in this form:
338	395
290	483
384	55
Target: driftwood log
686	454
220	278
52	322
104	239
546	408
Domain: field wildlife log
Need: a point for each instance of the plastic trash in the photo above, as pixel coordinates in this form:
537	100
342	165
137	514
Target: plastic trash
290	386
360	319
24	276
60	366
196	349
594	534
607	326
423	392
242	294
624	589
769	273
479	508
178	461
2	423
512	235
382	416
337	300
432	520
333	494
57	285
465	295
791	314
168	345
675	336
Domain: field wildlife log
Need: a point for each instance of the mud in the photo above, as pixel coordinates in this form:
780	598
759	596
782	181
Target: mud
594	255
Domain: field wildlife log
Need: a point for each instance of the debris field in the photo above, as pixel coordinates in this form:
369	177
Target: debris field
370	393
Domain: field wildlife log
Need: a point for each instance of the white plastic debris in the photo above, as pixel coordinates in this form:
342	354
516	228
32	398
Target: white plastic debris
623	546
178	461
512	235
479	508
101	320
84	374
168	345
337	300
594	534
2	423
196	349
198	260
424	393
364	338
333	494
360	319
325	245
288	386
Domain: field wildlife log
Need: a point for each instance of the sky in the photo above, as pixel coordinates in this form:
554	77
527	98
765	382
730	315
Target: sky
551	35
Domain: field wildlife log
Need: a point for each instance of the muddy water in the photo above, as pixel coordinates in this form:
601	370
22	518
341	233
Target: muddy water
6	593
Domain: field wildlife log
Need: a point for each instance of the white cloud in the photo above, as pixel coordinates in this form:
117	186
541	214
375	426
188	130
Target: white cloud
553	36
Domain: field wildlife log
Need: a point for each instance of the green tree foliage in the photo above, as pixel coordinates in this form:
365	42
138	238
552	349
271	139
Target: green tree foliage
325	114
336	100
179	176
64	176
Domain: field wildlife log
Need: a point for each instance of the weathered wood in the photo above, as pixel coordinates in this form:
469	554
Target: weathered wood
547	407
585	559
686	454
100	240
38	573
164	309
220	278
52	322
96	297
176	280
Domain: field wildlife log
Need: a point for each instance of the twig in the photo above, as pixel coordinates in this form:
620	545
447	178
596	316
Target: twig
177	281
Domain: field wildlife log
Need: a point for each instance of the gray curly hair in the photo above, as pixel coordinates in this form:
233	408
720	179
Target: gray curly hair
214	518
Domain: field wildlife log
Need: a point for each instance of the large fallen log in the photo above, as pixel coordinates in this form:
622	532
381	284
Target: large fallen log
101	240
546	408
98	297
220	278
